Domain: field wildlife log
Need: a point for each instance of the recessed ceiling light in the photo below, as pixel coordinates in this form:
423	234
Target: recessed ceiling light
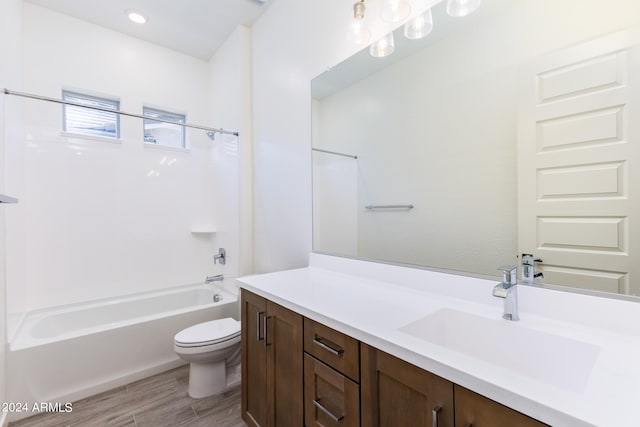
136	16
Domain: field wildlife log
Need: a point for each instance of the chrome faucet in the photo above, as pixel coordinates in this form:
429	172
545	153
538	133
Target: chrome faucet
507	289
216	278
529	268
220	256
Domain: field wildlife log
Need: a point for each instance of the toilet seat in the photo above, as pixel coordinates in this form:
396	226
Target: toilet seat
209	333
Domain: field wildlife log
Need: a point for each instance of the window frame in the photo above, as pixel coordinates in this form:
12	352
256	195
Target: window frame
168	115
83	96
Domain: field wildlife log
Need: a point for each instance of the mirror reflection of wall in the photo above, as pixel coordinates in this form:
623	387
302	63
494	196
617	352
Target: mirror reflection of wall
438	129
335	203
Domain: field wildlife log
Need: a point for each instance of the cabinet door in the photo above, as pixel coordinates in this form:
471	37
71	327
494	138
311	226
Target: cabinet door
330	398
254	360
473	410
284	366
396	393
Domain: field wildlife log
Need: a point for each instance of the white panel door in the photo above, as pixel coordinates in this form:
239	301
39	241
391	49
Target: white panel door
578	171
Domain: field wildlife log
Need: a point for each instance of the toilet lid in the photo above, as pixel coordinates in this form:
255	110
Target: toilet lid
209	332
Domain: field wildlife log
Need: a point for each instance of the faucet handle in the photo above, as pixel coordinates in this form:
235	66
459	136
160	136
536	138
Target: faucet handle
508	275
528	259
221	255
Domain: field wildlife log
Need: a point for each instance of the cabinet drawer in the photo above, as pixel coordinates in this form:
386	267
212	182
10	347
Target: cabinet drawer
330	398
334	348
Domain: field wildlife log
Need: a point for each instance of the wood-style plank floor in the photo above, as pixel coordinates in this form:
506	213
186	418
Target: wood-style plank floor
158	401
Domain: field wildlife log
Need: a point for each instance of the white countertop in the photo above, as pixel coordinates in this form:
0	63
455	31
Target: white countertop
372	302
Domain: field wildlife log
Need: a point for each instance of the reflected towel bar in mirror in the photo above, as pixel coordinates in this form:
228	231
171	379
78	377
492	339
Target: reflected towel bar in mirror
380	207
7	199
334	152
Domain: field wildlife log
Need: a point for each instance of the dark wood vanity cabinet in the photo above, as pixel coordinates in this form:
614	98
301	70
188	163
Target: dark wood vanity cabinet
396	393
474	410
298	372
272	364
331	377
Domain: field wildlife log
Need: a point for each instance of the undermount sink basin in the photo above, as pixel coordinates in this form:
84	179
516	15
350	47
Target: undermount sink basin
553	359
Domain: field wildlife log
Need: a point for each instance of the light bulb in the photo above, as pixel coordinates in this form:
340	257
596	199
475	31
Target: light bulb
462	7
394	10
383	47
358	32
419	27
136	16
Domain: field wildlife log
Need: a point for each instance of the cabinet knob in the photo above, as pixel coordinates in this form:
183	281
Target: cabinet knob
266	331
324	409
434	415
258	325
327	345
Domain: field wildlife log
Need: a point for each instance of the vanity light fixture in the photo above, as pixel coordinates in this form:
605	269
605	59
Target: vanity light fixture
394	10
419	27
459	8
382	47
358	32
136	16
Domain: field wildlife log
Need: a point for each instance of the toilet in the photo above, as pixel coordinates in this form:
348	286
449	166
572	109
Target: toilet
213	350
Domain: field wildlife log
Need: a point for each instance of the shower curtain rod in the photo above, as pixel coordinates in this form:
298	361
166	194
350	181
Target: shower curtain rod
139	116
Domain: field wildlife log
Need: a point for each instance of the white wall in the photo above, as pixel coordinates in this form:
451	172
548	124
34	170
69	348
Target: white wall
230	97
10	21
296	40
293	42
101	219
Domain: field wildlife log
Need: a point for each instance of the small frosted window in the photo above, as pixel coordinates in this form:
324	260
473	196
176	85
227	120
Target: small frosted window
163	133
92	120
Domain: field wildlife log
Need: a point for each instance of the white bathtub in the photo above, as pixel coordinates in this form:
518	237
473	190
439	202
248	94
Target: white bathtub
68	353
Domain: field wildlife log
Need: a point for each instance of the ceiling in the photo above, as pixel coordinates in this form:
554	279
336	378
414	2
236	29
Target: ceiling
194	27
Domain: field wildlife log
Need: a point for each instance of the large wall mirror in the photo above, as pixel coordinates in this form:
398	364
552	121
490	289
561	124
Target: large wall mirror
513	130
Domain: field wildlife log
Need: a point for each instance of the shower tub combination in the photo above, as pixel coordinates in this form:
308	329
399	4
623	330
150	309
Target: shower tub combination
65	354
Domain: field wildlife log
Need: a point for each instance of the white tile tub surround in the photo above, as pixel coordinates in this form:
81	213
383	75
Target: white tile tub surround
120	215
372	301
68	353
